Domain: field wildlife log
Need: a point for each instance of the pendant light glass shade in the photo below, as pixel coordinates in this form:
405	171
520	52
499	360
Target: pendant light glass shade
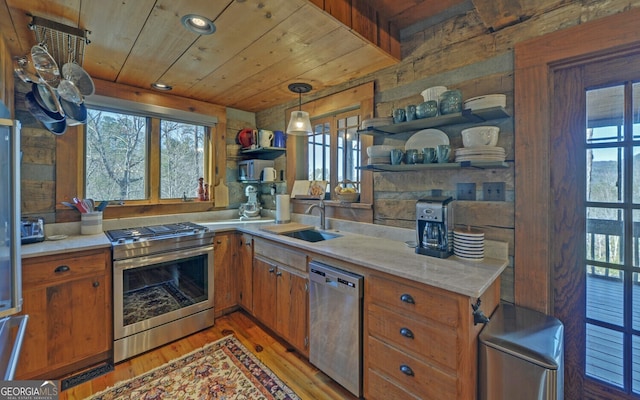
299	123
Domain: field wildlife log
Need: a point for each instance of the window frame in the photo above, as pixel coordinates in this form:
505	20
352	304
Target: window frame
70	152
334	133
154	156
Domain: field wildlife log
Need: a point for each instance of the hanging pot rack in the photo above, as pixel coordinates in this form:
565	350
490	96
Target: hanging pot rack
64	43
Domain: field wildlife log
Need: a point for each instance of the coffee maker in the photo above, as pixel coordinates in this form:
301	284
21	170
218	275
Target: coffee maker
434	226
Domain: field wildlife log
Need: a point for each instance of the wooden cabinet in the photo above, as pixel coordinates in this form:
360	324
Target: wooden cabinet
420	341
224	282
280	292
68	300
244	271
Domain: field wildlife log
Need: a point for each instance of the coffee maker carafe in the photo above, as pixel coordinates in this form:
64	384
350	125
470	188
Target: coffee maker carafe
434	226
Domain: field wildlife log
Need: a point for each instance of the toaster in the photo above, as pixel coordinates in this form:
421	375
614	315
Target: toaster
31	229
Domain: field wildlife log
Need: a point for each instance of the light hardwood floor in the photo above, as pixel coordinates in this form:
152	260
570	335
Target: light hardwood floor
305	379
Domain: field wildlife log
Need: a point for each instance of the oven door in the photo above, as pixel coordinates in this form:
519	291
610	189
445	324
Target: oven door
153	290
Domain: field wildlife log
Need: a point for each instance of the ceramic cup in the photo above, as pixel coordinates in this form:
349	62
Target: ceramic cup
410	155
430	155
427	109
410	112
399	114
396	156
443	151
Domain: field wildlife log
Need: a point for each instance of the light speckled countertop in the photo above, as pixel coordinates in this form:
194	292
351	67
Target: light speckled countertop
381	249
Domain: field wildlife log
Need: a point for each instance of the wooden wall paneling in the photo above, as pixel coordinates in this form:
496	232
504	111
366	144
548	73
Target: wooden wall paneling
502	13
364	21
533	277
338	9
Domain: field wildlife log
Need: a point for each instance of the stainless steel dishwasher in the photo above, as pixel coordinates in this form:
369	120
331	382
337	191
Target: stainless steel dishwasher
335	324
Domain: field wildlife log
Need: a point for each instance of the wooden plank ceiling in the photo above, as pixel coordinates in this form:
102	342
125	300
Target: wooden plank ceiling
259	47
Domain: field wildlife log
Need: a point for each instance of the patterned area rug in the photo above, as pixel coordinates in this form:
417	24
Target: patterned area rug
221	370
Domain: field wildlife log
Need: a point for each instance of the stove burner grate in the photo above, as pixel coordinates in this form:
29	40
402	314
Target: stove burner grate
154	230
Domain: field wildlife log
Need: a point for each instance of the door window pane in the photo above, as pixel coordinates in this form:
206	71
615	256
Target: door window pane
605	109
636	364
605	235
116	156
181	158
635	165
605	294
604	355
605	174
636	110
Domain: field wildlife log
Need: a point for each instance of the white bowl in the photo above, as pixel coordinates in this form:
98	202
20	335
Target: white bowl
379	150
480	136
433	93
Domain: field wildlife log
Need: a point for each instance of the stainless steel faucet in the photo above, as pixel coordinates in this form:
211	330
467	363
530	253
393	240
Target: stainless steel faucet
320	207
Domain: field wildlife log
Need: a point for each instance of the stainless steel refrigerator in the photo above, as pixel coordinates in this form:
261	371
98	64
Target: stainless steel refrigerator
12	326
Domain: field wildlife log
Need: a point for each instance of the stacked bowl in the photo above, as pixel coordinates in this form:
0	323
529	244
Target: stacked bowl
480	145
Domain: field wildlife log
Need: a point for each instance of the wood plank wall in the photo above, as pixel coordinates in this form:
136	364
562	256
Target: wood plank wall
461	53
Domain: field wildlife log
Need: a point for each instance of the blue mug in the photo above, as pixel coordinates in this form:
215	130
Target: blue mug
279	139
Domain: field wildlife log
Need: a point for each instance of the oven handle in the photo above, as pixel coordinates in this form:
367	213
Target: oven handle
137	262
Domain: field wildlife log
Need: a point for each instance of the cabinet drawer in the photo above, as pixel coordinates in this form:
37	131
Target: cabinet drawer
419	378
411	299
45	270
280	254
380	388
429	341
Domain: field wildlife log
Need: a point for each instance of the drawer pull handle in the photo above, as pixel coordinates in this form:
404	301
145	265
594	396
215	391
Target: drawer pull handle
406	332
405	369
218	242
278	273
96	284
62	268
272	270
407	299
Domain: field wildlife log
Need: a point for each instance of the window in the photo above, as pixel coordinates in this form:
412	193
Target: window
121	162
334	149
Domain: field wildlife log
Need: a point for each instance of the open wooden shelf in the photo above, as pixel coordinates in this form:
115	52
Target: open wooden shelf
419	167
464	117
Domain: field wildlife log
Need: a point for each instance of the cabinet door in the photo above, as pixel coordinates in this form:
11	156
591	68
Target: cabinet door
67	324
224	293
292	308
244	268
264	291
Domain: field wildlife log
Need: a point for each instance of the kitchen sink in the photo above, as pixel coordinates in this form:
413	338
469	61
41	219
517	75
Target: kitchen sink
311	235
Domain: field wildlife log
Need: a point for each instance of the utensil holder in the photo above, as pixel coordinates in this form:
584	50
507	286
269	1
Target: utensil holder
91	223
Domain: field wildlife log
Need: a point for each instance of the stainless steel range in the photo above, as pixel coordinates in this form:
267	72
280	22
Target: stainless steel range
162	285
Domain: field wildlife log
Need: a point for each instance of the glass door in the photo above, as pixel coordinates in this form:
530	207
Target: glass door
612	323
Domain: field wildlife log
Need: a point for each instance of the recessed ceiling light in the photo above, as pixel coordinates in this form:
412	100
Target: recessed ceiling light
198	24
161	86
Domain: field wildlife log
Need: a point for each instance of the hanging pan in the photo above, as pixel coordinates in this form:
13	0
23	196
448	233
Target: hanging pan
45	65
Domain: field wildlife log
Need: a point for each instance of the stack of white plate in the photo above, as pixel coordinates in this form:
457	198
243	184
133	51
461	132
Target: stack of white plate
468	244
480	153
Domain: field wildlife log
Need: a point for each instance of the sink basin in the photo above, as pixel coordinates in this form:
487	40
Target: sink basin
311	235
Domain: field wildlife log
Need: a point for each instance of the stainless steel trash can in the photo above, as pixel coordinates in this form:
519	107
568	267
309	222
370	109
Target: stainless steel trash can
521	356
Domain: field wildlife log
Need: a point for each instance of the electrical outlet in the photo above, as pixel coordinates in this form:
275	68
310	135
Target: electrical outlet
466	191
493	191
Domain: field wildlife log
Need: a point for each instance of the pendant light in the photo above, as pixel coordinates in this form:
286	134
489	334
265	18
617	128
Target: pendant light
299	124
